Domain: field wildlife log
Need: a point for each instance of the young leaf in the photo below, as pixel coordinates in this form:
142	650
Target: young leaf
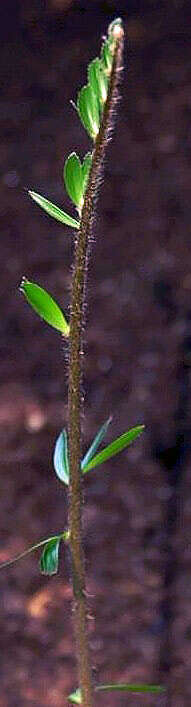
115	25
53	210
114	448
96	442
114	32
106	57
75	697
49	557
44	305
88	110
127	687
73	179
60	458
86	165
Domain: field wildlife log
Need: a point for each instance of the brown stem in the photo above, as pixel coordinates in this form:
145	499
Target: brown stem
74	390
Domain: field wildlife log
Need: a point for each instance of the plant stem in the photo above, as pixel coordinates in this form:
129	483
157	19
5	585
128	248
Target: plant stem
75	378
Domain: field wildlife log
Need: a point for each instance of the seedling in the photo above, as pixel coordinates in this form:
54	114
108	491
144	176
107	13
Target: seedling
96	106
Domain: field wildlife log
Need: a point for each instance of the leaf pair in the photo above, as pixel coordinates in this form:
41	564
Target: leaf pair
76	698
45	306
60	457
76	177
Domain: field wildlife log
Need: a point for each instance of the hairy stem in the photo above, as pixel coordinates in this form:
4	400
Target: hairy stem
75	379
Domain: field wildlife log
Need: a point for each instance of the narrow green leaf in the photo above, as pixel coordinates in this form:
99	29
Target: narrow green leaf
60	458
32	549
95	444
98	80
73	179
53	210
49	557
86	166
114	448
75	697
127	687
88	109
106	57
44	305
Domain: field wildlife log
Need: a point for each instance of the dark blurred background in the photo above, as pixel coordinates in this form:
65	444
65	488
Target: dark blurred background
138	345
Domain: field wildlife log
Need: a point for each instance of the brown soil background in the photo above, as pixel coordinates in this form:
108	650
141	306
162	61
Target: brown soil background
138	353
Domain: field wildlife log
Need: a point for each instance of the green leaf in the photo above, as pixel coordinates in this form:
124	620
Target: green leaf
33	548
73	179
44	305
53	210
76	176
60	458
127	687
92	75
88	110
86	166
114	448
96	442
75	697
98	80
49	557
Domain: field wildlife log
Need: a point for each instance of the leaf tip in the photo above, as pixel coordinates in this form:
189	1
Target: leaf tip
31	193
73	104
24	282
